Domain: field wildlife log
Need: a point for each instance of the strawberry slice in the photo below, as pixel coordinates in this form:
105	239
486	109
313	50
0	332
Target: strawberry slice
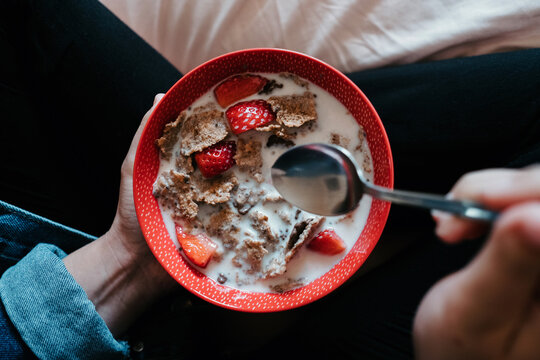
216	159
238	87
248	115
327	242
198	248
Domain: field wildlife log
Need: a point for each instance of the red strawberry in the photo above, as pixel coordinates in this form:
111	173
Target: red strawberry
327	242
248	115
198	248
216	159
238	87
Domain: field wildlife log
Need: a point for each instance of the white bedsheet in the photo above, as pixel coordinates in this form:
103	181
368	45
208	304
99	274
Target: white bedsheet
350	35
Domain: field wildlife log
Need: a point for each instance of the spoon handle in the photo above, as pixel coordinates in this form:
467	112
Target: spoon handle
465	209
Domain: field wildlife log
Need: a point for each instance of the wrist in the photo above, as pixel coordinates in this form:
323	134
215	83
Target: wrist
131	253
119	278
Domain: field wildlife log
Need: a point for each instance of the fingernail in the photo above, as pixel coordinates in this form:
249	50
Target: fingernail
440	215
443	221
157	98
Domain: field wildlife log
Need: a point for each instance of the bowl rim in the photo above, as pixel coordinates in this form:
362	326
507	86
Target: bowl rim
383	215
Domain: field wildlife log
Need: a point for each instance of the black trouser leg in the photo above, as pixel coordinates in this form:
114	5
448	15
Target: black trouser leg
74	85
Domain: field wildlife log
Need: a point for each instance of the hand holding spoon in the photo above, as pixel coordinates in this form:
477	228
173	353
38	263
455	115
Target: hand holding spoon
325	180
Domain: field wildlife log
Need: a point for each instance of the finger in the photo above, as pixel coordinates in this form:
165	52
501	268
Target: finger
482	306
499	188
130	157
452	229
502	280
495	189
145	118
157	98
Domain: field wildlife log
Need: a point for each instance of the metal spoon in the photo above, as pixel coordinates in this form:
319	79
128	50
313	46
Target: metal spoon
324	179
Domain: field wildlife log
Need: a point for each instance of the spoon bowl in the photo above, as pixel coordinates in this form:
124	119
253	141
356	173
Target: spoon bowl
325	180
318	178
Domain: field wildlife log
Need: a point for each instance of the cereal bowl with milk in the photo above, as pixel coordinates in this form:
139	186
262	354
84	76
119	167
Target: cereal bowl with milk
202	186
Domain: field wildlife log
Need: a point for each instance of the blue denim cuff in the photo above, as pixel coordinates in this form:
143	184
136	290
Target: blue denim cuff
52	312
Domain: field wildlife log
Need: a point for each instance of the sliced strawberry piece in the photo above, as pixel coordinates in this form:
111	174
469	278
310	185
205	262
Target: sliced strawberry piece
247	115
198	248
238	87
216	159
327	242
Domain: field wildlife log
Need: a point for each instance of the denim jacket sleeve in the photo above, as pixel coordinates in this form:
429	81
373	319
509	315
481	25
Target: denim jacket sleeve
12	347
51	311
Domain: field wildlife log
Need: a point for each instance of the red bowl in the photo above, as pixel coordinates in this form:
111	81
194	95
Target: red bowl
188	89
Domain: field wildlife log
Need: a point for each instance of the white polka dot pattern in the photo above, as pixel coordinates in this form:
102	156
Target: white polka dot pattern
186	91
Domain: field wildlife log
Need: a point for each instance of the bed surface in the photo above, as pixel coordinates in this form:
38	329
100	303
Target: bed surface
350	35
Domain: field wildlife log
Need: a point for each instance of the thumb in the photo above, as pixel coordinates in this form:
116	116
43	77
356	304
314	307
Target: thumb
145	118
129	160
502	280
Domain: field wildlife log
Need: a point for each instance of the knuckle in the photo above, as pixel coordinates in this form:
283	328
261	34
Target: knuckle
519	218
468	186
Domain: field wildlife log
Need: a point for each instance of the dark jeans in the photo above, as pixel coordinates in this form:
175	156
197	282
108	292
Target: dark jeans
74	85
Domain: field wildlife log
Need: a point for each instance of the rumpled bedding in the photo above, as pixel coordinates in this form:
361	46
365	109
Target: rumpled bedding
350	35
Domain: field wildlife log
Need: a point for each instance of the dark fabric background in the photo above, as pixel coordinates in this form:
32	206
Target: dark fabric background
75	83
